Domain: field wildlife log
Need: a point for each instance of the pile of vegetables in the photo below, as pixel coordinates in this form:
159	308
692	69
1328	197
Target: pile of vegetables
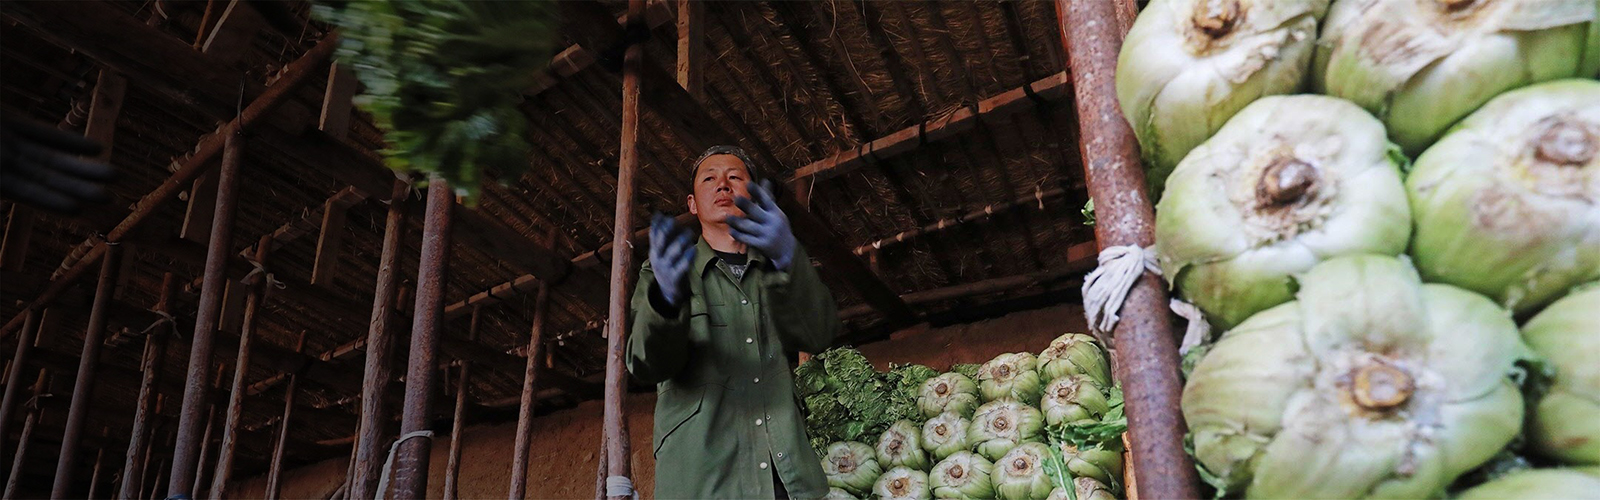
1391	208
443	78
1022	426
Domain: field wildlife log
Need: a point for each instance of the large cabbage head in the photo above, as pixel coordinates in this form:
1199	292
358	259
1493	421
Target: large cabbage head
1189	65
901	445
1001	425
1083	489
851	466
839	494
903	483
1010	376
1019	475
1421	65
1565	424
962	476
945	435
1101	462
1073	399
1288	183
1508	204
1369	384
1544	484
1075	353
952	392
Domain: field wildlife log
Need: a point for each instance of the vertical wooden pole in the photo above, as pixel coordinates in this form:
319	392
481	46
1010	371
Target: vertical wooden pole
691	46
187	442
21	456
380	341
19	230
452	469
241	369
530	386
205	437
275	469
155	350
1147	347
411	460
8	405
616	427
88	363
99	461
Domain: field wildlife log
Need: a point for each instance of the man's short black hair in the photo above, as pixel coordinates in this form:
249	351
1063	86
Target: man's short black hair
736	151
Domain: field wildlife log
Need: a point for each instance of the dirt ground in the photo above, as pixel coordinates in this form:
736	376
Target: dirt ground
566	443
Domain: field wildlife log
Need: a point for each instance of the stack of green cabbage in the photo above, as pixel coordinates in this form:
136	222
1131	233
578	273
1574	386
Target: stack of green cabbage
443	78
1025	427
1370	252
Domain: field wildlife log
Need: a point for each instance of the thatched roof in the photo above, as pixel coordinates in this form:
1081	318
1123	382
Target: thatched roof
794	83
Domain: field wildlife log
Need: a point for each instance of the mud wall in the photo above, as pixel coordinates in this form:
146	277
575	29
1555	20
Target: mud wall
565	454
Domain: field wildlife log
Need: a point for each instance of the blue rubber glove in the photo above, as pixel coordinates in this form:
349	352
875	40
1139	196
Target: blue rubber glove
764	226
671	253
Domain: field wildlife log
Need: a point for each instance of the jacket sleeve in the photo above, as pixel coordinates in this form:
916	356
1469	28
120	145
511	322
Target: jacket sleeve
658	342
803	310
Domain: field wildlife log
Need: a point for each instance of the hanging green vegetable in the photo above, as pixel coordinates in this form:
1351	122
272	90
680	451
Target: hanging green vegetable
902	483
1019	475
1189	65
1546	484
1010	376
901	445
1508	204
952	392
962	476
443	79
1421	65
1369	384
1073	399
1289	182
1565	424
1075	353
945	435
851	466
1001	425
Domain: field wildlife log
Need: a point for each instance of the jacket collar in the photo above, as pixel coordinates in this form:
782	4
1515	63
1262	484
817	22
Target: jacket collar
704	256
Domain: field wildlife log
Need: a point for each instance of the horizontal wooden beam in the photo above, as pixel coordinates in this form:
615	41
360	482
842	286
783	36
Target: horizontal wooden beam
1052	88
577	57
1038	198
1081	258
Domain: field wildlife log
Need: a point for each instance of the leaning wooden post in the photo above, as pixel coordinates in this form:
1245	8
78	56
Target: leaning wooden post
275	469
30	330
616	427
20	458
205	437
155	350
380	341
88	363
190	416
524	443
452	469
1147	348
99	461
241	369
411	457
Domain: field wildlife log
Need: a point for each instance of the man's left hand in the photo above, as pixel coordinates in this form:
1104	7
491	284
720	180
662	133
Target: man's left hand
764	226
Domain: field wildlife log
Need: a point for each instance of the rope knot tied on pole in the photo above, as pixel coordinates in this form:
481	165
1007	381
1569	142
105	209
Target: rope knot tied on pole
388	464
620	486
1106	287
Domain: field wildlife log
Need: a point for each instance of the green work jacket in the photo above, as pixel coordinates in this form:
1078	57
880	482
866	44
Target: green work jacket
726	413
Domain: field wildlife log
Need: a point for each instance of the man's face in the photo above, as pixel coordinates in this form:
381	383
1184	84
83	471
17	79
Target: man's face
717	181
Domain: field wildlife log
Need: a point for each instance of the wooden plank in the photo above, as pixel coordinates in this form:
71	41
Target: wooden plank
233	299
202	202
336	101
330	244
692	46
233	32
104	109
19	232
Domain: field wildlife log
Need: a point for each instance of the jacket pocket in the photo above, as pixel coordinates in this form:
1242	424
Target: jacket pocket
674	409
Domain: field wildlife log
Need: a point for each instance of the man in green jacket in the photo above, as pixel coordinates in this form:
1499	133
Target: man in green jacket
715	321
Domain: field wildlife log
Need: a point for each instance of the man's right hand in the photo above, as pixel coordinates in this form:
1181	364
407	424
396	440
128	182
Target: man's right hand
672	249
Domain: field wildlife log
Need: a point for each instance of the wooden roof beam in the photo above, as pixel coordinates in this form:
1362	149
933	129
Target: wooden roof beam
1081	258
577	57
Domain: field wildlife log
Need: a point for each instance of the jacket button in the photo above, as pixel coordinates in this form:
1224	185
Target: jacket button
758	380
759	421
749	340
744	302
763	466
780	455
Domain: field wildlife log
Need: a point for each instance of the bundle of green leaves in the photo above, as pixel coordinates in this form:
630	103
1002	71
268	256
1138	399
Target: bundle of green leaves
846	399
442	79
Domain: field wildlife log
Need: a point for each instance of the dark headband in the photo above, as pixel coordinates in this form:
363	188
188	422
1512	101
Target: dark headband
749	165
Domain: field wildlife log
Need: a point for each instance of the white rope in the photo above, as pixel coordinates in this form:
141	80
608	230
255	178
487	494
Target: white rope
1198	332
1107	286
388	464
620	486
261	270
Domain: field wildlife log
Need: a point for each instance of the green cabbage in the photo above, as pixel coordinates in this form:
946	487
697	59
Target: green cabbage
945	435
1546	484
1565	424
1019	475
962	476
902	483
901	445
951	392
839	494
1010	376
999	426
851	466
1073	399
1075	353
